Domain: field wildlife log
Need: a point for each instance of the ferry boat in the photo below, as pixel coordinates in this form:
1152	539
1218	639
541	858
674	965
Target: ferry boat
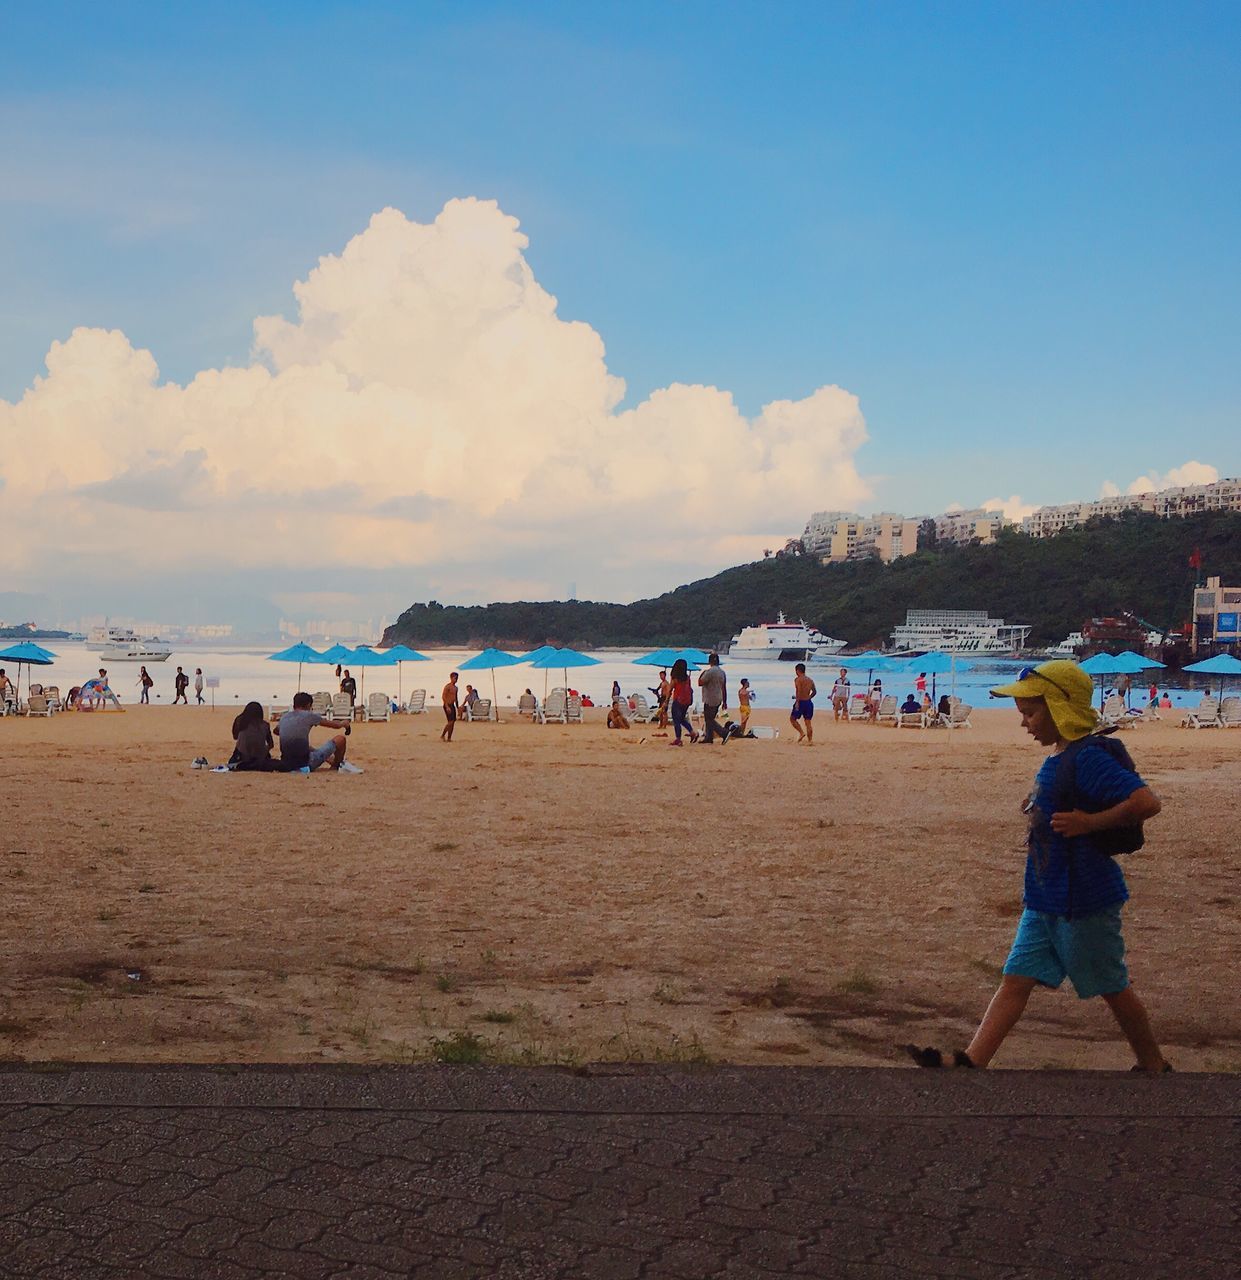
1069	647
958	631
120	644
781	641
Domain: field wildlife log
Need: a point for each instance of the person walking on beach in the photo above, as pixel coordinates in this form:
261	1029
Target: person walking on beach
840	696
714	685
804	693
745	700
1087	805
920	683
144	683
449	700
198	685
350	686
680	699
181	683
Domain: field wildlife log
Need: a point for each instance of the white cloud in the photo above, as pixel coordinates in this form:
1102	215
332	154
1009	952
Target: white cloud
426	410
1187	473
1012	507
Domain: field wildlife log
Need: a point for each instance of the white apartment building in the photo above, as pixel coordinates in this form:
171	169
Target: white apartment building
964	527
1186	500
845	535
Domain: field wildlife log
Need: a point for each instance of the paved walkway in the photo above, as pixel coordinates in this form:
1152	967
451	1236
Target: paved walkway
233	1173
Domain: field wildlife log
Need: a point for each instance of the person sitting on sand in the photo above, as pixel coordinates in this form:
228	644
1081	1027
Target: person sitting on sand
680	699
253	741
910	706
293	730
1165	703
449	700
616	717
804	692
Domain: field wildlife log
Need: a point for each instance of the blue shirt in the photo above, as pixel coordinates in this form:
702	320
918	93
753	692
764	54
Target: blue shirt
1068	876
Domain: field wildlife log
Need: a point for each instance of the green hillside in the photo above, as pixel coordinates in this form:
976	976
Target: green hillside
1136	563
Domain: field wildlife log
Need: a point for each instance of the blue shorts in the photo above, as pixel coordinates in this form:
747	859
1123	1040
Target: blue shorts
1088	950
803	709
319	756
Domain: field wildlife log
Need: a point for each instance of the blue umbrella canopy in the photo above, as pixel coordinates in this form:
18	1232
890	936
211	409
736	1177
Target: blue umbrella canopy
1116	664
403	653
1142	663
336	653
29	652
299	653
666	657
1223	664
934	663
363	656
489	660
535	654
563	659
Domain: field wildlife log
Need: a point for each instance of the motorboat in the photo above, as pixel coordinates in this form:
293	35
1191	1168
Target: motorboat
782	641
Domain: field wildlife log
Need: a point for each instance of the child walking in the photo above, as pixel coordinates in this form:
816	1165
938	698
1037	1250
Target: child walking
1080	807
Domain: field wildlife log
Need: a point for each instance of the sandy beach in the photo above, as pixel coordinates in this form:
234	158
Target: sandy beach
569	894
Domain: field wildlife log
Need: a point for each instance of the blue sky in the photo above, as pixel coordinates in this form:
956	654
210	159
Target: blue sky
1010	230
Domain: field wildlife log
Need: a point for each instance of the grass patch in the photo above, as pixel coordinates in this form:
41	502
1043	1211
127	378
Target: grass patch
858	983
446	982
501	1016
443	846
463	1048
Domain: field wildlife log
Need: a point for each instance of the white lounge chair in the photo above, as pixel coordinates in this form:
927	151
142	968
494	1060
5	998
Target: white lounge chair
641	712
959	716
858	710
527	705
911	720
887	710
553	710
1116	714
37	705
52	694
480	709
321	703
1230	713
341	708
378	707
573	711
1204	716
417	703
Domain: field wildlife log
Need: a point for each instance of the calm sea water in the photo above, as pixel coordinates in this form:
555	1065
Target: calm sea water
246	674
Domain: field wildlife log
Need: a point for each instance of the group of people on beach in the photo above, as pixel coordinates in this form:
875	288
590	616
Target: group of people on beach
180	684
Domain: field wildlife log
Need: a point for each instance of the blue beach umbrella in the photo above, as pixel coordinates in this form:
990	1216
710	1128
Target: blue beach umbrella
27	654
403	653
562	660
336	653
666	657
299	653
489	660
364	656
936	663
1115	664
1223	664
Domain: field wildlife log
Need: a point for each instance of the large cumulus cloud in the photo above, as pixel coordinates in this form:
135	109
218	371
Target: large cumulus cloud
426	407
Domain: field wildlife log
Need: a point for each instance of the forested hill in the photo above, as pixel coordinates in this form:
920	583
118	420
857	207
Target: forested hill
1137	563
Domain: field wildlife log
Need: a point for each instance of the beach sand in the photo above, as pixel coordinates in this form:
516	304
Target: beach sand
569	894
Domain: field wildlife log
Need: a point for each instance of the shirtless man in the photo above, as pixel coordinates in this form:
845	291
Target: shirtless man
803	704
449	699
665	692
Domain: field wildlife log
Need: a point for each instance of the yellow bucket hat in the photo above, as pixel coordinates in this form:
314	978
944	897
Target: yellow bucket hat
1066	689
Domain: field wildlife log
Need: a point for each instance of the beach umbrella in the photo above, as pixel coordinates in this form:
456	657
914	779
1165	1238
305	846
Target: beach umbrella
27	654
1115	664
336	653
403	653
870	662
666	657
299	653
490	660
364	656
936	663
535	654
1222	665
562	660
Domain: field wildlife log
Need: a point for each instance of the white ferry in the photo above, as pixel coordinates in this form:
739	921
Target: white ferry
958	631
1069	647
781	641
120	644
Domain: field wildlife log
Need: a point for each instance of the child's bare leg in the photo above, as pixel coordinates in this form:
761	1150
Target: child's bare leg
1006	1007
1130	1013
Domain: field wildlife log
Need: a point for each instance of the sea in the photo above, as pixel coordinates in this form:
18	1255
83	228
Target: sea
242	675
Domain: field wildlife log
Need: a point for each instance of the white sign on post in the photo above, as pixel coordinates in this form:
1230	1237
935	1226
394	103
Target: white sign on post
213	683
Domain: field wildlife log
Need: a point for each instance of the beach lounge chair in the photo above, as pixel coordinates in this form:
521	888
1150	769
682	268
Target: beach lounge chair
573	711
1204	716
36	705
274	713
911	720
1230	713
959	716
417	703
52	694
321	703
480	709
887	710
1116	715
553	710
341	708
378	707
527	705
858	710
641	712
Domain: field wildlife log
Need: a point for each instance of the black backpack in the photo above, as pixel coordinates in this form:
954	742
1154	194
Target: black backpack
1115	840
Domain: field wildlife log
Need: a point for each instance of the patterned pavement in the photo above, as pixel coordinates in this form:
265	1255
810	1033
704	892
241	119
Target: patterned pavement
629	1172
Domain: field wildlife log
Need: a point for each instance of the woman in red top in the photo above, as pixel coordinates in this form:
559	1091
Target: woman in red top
681	701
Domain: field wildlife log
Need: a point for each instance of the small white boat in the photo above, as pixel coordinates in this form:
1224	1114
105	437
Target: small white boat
781	641
1068	647
120	644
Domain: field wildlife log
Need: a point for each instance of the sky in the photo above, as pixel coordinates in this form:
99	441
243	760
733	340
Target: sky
343	306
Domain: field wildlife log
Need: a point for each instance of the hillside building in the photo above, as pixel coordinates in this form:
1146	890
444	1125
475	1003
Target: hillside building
1216	612
843	535
1185	500
964	527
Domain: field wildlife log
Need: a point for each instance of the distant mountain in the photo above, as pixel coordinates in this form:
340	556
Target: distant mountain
1137	563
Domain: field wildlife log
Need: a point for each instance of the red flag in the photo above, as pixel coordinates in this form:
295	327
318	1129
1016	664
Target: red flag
1195	560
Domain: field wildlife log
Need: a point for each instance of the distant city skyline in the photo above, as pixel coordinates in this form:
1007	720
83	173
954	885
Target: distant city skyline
315	311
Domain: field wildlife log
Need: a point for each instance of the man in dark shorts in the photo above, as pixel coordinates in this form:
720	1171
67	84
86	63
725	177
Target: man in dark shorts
449	699
803	704
293	730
